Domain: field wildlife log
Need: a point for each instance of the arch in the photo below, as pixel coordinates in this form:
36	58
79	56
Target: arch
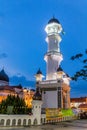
35	122
24	122
13	122
44	120
41	120
29	122
2	122
19	122
8	122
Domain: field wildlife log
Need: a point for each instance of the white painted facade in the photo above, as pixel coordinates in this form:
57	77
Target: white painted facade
26	120
36	110
53	56
49	101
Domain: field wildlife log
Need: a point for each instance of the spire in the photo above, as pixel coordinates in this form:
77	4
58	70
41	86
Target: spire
39	75
39	71
37	95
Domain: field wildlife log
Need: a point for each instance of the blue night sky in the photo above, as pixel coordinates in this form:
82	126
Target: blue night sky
22	37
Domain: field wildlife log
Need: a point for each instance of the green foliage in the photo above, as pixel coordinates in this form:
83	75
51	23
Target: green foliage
82	73
16	104
67	112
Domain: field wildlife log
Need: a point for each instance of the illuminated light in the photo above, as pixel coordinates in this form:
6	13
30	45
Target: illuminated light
66	81
53	27
59	39
39	77
48	82
47	40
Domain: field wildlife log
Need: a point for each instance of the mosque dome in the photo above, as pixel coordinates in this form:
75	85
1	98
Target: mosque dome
53	20
37	95
4	76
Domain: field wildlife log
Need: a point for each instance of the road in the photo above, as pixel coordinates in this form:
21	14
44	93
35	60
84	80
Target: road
69	125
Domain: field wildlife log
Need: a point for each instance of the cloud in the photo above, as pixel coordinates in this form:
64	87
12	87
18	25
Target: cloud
16	80
3	55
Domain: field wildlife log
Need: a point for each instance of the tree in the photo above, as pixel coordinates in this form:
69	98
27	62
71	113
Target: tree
82	73
16	104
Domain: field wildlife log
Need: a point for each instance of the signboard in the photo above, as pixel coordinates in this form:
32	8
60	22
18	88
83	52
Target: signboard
55	113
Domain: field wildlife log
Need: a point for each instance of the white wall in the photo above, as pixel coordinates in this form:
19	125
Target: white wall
49	99
18	120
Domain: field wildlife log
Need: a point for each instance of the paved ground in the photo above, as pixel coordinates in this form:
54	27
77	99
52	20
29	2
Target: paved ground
69	125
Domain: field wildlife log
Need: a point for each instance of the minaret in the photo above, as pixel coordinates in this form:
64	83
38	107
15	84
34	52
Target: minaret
53	57
55	90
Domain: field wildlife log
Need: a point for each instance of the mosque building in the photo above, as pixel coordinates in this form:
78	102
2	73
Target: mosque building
51	101
55	90
6	89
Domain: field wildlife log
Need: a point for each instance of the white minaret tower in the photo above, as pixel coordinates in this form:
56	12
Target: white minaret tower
55	90
53	56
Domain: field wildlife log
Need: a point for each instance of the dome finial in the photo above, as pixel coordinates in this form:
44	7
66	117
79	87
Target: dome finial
53	20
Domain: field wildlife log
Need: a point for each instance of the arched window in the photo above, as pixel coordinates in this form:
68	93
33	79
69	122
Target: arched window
41	120
24	122
35	122
19	122
13	122
2	122
44	120
8	122
29	122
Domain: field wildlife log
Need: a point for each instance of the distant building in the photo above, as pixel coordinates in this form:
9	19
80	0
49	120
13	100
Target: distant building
80	103
55	89
6	89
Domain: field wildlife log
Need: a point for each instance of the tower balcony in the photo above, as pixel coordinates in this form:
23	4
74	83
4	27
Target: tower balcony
53	28
53	85
49	84
54	55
